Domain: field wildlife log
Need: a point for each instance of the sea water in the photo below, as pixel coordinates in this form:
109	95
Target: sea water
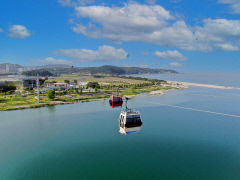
82	140
218	78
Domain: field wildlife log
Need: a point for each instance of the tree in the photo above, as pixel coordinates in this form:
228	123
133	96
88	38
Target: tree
133	86
51	94
71	91
41	72
81	90
7	86
67	81
75	81
93	85
77	90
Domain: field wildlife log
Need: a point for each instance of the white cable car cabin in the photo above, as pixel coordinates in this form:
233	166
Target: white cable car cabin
130	122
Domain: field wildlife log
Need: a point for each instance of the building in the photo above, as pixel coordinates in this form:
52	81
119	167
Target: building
7	68
61	86
82	83
32	82
73	85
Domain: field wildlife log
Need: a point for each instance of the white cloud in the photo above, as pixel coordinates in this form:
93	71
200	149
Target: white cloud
130	16
126	23
215	32
234	4
227	47
170	55
175	64
155	25
103	53
18	31
51	60
134	22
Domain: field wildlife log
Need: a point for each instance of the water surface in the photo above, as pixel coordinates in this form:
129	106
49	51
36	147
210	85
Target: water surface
217	78
82	141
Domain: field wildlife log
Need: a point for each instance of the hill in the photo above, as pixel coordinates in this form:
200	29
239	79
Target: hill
41	72
115	70
10	68
106	70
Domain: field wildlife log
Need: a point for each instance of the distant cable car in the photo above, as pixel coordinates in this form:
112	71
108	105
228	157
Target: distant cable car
115	101
129	121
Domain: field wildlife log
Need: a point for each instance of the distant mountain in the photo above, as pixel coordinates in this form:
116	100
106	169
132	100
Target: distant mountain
106	70
58	69
6	68
40	72
115	70
55	66
11	68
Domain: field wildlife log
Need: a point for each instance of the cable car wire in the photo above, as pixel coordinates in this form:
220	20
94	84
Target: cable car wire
195	109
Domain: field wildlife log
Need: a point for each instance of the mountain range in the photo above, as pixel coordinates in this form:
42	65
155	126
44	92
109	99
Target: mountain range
58	69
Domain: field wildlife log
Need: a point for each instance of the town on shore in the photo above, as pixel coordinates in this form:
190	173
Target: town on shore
67	89
31	87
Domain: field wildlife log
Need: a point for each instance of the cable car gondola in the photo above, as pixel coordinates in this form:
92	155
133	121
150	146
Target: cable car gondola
129	121
115	101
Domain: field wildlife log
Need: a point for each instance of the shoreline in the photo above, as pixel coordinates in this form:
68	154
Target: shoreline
174	85
187	84
80	100
53	103
158	92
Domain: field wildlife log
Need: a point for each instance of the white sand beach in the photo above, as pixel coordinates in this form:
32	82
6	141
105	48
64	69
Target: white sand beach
158	92
187	84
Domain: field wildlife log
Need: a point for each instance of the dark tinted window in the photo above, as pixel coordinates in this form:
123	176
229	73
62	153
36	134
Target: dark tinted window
133	121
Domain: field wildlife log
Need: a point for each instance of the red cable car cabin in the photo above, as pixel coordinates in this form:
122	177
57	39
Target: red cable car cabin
115	101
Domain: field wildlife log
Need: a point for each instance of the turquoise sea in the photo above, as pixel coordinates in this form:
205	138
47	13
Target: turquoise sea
82	140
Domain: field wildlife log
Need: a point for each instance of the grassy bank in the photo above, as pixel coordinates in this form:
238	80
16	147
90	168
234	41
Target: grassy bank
16	102
108	85
20	102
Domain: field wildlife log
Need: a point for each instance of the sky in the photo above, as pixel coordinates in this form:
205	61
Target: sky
184	35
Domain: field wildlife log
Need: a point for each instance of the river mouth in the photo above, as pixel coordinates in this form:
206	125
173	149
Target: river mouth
82	140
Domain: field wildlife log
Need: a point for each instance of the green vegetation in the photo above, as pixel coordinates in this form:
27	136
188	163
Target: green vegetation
41	72
98	76
80	90
51	94
138	90
97	71
153	81
11	102
115	70
67	81
93	85
96	89
7	87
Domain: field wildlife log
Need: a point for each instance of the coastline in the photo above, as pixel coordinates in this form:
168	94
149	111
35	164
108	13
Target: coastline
187	84
151	90
158	92
53	103
72	99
